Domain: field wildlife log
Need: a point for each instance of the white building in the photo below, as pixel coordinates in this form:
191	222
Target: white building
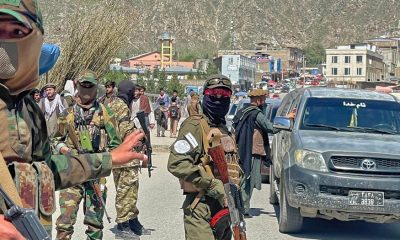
354	63
239	69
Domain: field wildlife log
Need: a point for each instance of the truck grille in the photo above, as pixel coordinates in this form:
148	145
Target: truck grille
358	164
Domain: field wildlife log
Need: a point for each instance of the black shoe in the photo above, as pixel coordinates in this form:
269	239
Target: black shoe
138	228
247	215
123	231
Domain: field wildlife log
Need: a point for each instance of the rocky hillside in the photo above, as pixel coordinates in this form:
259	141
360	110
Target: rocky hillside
204	25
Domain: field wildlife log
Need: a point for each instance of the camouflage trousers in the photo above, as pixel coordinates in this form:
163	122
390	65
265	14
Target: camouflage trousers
127	187
69	205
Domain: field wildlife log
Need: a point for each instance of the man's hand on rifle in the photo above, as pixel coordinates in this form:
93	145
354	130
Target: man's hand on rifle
123	153
8	231
216	190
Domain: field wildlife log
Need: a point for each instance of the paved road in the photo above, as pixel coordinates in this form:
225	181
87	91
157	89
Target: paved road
160	201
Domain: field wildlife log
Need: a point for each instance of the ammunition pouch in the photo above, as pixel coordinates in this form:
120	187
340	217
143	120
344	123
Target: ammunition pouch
85	140
35	185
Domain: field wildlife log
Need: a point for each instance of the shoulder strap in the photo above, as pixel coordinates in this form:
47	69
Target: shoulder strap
6	180
205	129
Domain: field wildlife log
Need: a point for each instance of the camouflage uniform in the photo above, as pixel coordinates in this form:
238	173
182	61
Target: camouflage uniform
186	160
92	118
126	178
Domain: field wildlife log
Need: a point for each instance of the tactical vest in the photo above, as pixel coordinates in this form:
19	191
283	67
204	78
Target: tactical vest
231	156
25	148
89	128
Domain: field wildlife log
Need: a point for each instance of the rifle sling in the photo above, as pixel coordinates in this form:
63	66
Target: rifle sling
205	129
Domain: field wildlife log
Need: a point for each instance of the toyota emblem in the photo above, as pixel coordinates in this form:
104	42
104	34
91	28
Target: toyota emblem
368	164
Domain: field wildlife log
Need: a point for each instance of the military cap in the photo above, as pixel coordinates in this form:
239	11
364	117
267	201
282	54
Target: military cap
217	80
110	83
49	85
25	11
88	76
257	93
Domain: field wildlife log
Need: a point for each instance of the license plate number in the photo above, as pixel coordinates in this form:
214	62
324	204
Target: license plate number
366	198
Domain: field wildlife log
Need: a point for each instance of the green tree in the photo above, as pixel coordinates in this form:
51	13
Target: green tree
175	84
211	68
140	81
162	80
315	54
151	86
156	73
115	75
190	75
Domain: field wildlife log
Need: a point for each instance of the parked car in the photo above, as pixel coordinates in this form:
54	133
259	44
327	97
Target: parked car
339	158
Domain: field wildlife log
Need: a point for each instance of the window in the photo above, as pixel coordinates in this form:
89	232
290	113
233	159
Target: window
334	71
231	61
346	71
347	59
350	113
359	71
359	59
334	59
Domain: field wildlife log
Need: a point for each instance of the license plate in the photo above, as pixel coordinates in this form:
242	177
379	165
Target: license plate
366	198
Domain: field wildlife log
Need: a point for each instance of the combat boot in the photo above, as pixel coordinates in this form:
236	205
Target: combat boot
138	228
123	231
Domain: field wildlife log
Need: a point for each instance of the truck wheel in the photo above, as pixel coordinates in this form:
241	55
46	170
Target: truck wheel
290	219
273	198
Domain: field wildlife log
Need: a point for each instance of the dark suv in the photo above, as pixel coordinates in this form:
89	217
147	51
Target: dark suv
338	158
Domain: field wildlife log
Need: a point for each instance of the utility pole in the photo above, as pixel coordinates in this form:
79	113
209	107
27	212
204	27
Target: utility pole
233	36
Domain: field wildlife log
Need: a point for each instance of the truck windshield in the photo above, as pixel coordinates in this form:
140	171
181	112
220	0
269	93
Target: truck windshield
333	114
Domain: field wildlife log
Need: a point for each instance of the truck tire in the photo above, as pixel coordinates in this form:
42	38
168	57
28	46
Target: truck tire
290	219
273	198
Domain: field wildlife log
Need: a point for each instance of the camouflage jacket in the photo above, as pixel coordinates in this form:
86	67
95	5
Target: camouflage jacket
26	149
125	125
99	123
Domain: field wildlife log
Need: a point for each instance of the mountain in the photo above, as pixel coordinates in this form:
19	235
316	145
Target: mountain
202	26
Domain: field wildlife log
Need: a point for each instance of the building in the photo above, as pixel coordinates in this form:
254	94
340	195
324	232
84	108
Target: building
354	63
202	64
389	48
290	58
240	70
150	61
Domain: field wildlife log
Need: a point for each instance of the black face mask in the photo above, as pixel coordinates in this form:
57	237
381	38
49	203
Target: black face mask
216	108
126	90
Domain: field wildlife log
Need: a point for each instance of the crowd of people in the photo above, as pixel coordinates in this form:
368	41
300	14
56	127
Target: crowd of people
105	121
70	141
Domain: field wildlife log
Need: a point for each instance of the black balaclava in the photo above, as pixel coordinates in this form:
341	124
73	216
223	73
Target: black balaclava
216	108
126	90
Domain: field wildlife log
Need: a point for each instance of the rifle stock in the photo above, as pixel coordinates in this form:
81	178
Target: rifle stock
238	224
141	117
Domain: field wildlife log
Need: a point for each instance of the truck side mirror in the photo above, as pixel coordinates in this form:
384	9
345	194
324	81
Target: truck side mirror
282	123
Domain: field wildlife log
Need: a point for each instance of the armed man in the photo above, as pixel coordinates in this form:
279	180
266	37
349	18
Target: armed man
25	154
126	177
86	127
251	133
204	208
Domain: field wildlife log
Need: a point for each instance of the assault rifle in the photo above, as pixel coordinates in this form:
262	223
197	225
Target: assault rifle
141	117
75	141
232	192
25	220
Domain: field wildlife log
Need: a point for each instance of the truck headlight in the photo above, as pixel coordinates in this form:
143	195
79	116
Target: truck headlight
310	160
